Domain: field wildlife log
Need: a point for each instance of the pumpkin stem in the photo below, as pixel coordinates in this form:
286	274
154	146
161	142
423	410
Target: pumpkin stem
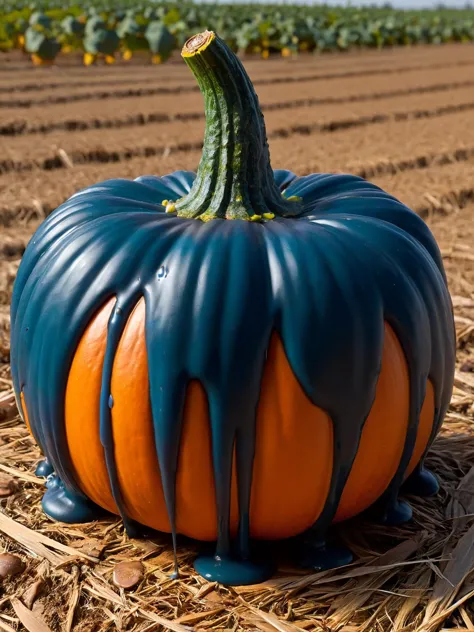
234	179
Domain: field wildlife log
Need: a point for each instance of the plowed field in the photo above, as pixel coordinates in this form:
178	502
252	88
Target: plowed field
403	119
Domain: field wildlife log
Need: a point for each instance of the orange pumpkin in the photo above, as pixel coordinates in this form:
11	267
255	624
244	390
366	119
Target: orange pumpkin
237	353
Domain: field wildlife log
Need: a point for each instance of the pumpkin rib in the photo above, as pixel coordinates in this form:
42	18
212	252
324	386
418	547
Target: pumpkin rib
196	512
81	412
293	444
383	436
425	427
24	413
138	477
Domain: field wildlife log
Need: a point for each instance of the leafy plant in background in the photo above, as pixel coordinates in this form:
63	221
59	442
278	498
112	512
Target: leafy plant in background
102	28
72	33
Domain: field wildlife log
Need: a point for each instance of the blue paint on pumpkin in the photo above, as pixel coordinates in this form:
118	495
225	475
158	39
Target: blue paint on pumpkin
326	280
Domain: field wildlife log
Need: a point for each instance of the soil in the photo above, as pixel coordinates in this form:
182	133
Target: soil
102	145
401	118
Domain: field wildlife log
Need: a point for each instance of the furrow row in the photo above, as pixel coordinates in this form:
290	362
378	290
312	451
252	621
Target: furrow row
93	146
190	88
57	78
21	127
172	105
441	190
414	144
71	78
463	154
362	121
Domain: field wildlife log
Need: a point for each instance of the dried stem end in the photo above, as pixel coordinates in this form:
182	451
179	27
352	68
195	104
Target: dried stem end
197	43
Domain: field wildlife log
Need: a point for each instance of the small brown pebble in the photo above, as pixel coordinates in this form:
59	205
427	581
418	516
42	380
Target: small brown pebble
467	367
32	593
10	565
7	487
8	409
128	574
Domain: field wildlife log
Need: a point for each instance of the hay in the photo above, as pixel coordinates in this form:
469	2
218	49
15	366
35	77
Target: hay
415	578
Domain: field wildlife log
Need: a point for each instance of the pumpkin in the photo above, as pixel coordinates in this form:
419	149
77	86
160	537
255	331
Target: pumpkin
160	41
41	44
131	35
99	41
238	353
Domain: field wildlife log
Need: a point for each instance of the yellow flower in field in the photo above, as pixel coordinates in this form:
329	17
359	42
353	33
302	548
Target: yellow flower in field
66	48
109	59
285	52
21	40
127	55
89	59
265	53
156	59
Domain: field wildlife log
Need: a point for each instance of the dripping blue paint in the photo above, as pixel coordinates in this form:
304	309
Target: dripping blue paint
359	258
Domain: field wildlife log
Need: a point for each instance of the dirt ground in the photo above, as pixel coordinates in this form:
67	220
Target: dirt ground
403	119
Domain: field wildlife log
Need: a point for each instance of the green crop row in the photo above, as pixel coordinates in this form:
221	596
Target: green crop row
101	28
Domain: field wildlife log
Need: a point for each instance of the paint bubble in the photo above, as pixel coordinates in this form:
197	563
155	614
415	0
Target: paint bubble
162	272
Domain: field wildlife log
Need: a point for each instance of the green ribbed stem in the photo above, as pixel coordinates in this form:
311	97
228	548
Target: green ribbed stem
234	179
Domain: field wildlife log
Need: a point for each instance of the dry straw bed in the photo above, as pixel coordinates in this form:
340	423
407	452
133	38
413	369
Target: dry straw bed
419	577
